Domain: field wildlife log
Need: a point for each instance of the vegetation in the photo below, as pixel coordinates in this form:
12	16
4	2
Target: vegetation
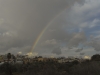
52	68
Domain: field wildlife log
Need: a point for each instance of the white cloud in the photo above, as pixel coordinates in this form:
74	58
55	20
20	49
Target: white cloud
32	54
84	16
19	52
87	57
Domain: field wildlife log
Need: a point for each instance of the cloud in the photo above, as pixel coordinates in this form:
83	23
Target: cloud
79	50
22	21
57	50
77	39
87	57
92	24
84	16
82	53
49	42
16	50
32	54
95	43
19	52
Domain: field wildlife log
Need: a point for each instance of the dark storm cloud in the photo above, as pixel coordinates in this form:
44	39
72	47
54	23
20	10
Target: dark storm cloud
82	53
79	50
95	43
57	50
77	39
21	21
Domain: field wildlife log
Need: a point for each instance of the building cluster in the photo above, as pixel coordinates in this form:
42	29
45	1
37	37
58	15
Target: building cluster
24	59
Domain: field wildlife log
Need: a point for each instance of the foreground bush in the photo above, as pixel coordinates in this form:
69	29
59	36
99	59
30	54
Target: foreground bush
91	68
51	68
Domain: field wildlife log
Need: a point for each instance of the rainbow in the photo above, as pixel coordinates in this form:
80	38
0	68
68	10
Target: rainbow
42	32
40	35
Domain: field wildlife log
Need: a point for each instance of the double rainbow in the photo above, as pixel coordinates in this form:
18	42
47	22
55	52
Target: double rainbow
42	32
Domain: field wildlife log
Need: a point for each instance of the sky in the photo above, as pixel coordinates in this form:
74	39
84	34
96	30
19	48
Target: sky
50	27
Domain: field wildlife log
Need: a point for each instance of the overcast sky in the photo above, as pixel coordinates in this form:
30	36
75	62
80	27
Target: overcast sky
74	27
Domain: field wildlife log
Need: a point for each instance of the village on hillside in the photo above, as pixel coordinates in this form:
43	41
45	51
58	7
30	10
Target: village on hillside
24	59
24	65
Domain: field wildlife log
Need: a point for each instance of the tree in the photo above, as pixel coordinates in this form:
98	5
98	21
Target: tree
75	62
95	57
9	56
